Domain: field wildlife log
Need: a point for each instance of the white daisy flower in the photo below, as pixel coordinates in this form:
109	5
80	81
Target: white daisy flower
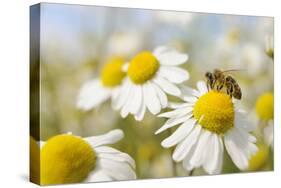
71	159
150	77
208	121
97	91
265	113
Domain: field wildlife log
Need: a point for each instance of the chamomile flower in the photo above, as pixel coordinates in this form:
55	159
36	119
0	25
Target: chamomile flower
97	91
70	159
150	77
208	121
265	113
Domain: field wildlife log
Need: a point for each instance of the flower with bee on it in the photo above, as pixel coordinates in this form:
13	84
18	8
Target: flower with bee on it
208	121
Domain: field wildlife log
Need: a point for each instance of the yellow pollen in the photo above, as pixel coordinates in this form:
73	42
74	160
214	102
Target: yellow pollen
112	73
215	112
265	106
258	161
66	159
143	67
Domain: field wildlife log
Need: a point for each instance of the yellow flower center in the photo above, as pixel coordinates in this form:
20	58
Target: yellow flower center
143	67
265	106
112	73
258	161
214	112
66	159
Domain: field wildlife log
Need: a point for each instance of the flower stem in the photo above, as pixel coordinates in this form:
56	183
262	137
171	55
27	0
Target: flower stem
191	172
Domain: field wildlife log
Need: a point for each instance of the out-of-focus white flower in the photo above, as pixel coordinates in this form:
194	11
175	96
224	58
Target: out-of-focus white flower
265	113
179	18
231	52
95	92
208	121
151	76
252	59
269	46
124	44
70	159
226	49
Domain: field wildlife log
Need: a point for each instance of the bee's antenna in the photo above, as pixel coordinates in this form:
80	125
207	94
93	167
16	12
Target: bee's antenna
234	70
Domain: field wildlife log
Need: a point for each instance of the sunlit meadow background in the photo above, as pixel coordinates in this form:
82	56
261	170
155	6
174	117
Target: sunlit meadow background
76	41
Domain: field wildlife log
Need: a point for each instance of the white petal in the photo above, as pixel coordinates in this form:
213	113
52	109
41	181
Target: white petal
178	135
241	120
124	93
140	114
200	154
237	149
117	170
214	153
175	105
169	56
173	122
115	155
125	110
98	175
167	86
186	161
186	146
202	87
190	99
151	100
187	91
174	74
176	113
92	94
161	96
109	138
135	106
115	95
220	157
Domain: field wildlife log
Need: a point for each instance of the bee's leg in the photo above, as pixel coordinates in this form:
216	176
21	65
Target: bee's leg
208	85
230	90
213	84
221	84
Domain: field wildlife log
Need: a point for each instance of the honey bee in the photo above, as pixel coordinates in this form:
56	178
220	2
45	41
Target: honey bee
218	80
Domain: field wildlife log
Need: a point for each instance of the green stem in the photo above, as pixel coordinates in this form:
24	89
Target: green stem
191	172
